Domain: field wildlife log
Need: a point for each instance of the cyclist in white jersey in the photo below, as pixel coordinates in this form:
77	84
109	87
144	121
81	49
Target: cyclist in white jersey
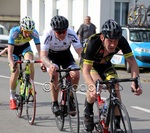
55	51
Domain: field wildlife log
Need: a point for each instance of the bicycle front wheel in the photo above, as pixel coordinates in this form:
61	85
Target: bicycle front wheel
19	101
125	124
73	112
60	119
30	101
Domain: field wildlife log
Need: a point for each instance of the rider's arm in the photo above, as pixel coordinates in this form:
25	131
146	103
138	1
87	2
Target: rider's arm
45	59
79	50
86	72
38	49
133	65
134	73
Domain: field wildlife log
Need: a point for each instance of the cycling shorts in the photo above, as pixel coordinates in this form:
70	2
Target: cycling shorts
62	58
21	50
106	71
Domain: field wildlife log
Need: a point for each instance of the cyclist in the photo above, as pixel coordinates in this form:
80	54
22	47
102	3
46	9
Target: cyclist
18	44
55	51
95	63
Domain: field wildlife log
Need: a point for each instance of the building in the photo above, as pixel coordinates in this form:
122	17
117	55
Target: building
75	10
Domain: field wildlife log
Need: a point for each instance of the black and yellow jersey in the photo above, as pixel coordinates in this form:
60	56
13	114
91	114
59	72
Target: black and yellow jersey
93	52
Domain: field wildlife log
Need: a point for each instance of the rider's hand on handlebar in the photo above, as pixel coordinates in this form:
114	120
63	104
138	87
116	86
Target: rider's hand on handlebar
52	69
137	91
43	68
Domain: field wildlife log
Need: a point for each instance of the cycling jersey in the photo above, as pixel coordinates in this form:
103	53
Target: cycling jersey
59	51
93	51
16	38
51	42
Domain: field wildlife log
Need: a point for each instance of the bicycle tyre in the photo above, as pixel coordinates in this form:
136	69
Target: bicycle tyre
125	123
30	98
60	119
73	115
138	17
97	117
19	101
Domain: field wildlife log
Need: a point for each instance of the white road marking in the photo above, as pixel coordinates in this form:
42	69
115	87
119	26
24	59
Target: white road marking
141	109
83	93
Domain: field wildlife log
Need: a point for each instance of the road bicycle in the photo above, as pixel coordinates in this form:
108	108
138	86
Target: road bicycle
147	20
68	105
25	91
106	115
137	15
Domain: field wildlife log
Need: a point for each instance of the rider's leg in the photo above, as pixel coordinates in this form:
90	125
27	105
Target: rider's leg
89	101
29	56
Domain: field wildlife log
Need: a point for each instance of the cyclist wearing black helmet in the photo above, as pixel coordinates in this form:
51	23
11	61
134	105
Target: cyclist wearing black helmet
55	51
95	63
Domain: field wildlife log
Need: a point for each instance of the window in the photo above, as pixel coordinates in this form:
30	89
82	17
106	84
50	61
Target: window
121	12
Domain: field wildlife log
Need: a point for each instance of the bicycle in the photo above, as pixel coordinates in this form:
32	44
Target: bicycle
106	117
66	103
137	15
147	20
25	91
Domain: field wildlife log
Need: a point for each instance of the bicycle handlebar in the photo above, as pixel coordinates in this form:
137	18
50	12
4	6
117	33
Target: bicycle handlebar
68	70
65	70
114	81
29	61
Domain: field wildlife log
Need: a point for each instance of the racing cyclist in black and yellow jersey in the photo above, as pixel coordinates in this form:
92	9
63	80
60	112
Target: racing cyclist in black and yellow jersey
19	38
95	63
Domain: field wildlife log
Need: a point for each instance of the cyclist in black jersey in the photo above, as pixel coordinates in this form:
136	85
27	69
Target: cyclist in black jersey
95	63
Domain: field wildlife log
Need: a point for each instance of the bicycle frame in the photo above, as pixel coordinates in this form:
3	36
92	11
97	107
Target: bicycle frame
26	94
112	99
66	90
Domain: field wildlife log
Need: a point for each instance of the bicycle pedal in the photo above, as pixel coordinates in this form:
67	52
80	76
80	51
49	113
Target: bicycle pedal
86	130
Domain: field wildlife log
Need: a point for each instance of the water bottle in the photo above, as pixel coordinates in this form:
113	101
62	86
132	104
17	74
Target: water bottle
105	109
22	90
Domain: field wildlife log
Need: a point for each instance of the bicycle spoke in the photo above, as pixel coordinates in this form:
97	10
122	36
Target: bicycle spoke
125	124
19	101
31	103
60	118
73	114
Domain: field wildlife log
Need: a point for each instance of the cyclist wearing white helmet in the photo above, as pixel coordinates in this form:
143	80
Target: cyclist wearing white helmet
55	51
95	63
19	38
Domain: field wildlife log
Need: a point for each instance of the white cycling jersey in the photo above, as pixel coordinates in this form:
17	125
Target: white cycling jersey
49	41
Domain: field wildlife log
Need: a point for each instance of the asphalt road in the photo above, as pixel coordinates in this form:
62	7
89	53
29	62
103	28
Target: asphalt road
138	106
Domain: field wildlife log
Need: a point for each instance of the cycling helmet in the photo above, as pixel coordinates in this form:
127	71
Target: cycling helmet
59	23
111	29
27	23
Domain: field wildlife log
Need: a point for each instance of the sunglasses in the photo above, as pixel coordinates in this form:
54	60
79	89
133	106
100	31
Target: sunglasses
27	32
61	32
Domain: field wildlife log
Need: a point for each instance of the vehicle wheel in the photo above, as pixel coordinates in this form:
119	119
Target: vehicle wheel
125	124
30	102
73	113
60	119
128	68
19	101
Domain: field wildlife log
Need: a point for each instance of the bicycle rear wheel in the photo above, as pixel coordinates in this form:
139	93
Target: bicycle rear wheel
30	99
19	101
125	124
73	112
